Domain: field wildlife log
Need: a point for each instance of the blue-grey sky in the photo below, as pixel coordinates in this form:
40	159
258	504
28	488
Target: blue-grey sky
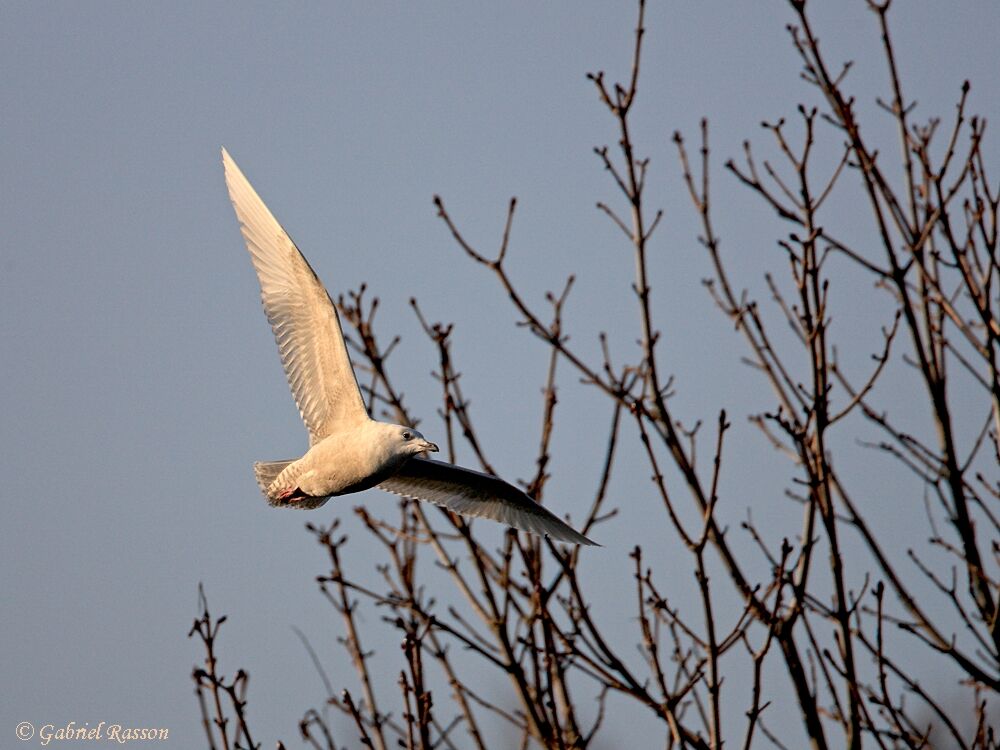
140	379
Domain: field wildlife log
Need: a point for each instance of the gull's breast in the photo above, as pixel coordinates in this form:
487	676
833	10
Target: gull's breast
343	463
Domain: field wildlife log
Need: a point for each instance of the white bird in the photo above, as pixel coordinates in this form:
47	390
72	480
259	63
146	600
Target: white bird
349	451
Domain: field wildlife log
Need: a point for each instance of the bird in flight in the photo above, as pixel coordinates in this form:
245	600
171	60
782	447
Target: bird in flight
348	450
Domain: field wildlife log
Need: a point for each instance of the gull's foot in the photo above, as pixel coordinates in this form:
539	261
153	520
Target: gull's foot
289	495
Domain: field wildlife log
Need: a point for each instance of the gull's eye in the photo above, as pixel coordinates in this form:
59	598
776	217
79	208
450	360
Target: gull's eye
407	435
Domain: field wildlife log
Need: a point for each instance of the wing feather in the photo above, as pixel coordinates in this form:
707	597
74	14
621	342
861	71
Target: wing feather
472	493
302	315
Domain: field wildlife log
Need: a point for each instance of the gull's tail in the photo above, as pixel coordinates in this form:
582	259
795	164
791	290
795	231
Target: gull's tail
266	472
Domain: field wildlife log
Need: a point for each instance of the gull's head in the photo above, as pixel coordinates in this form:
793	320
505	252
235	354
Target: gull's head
410	441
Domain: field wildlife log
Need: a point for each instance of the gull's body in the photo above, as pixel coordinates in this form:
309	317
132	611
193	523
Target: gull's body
349	451
344	462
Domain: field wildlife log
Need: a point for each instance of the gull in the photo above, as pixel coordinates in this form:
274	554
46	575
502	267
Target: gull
348	450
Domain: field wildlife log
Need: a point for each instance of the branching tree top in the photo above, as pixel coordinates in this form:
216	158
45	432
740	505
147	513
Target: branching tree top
833	646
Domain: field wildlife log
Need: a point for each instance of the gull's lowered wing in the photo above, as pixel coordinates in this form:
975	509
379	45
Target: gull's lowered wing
472	493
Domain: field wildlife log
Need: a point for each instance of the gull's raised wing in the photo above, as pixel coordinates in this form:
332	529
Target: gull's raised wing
472	493
302	316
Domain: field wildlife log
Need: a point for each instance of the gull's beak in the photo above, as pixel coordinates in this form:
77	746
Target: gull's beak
427	446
